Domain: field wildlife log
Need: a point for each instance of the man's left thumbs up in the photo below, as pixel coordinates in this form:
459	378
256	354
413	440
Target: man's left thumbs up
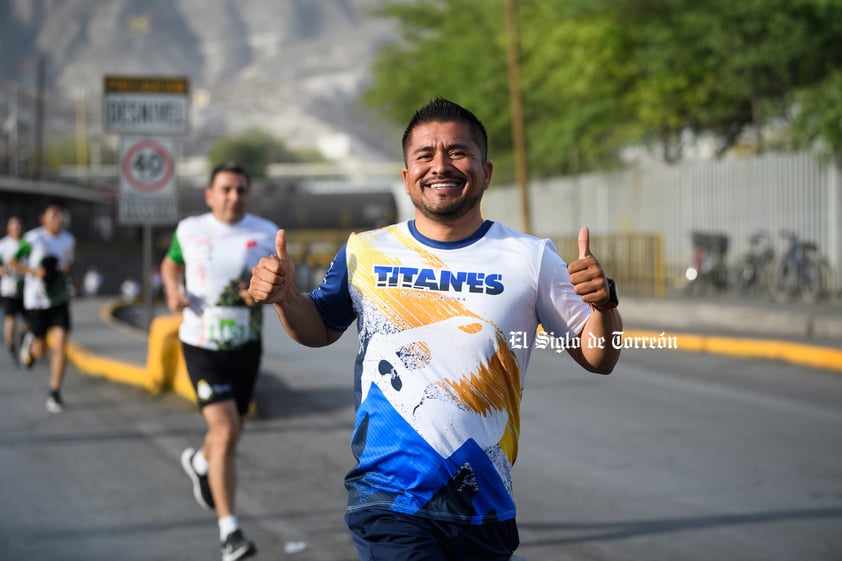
586	274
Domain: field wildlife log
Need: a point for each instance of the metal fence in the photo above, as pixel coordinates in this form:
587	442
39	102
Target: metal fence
634	260
776	193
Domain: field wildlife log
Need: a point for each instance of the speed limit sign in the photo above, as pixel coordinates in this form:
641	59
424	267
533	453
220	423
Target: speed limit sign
147	181
148	165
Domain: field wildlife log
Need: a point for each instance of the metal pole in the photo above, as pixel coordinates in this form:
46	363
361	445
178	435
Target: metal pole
14	148
82	132
149	305
834	224
38	167
518	139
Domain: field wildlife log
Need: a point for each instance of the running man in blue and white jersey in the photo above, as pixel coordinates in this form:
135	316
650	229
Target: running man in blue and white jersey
205	275
45	257
445	306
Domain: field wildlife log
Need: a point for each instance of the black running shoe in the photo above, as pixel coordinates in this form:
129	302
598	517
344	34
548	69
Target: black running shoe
201	488
236	546
13	352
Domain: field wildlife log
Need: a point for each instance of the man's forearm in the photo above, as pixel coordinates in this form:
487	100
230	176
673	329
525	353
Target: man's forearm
599	354
303	322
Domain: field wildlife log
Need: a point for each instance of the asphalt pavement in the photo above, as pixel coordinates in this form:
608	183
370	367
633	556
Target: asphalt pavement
283	438
102	481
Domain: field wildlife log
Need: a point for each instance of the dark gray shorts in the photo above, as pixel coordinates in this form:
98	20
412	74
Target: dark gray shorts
382	535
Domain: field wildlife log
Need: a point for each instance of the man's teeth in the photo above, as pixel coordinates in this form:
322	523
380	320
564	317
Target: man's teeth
443	185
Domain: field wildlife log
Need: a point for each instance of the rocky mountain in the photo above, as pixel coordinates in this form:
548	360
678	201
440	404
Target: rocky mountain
292	67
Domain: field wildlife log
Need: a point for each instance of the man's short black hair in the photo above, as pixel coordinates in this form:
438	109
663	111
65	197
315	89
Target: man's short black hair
233	167
57	204
442	110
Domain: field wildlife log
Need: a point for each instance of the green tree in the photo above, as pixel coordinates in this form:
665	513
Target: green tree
818	116
64	151
58	153
449	48
598	76
255	149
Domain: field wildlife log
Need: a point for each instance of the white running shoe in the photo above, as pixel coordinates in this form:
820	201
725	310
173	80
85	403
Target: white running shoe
25	345
54	403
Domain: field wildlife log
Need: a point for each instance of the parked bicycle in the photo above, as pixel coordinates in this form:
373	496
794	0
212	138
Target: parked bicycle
800	271
707	270
754	273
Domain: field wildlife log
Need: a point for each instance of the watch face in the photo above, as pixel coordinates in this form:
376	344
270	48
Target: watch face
612	297
612	291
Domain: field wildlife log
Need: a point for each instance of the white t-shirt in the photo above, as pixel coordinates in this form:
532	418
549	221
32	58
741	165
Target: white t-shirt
217	257
446	332
11	283
38	244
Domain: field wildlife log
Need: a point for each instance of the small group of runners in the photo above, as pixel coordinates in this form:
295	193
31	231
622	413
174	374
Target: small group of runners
36	288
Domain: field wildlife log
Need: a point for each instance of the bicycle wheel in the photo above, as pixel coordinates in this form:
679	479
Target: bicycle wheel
785	280
814	280
765	277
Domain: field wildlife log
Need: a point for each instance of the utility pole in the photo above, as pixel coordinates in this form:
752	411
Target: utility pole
38	164
14	148
81	99
518	139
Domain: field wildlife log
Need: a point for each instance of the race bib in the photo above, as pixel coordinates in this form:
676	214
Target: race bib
226	326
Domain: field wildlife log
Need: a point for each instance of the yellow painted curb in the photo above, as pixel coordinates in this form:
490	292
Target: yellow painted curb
794	353
164	370
110	369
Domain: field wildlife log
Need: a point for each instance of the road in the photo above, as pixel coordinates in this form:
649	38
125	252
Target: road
681	456
674	456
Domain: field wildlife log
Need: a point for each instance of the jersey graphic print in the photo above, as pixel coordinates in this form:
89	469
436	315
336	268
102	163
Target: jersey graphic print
440	390
437	382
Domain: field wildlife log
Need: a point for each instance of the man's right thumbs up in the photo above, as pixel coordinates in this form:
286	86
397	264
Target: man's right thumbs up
272	278
281	244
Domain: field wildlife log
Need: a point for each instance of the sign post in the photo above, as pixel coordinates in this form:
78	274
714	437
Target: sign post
146	111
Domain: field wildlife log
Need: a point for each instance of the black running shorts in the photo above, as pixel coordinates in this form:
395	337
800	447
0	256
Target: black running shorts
40	321
223	375
12	306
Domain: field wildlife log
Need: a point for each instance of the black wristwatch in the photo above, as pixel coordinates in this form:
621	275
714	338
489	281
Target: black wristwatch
612	297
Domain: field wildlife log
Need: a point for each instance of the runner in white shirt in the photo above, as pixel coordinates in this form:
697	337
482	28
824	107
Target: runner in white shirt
11	284
205	275
446	306
46	256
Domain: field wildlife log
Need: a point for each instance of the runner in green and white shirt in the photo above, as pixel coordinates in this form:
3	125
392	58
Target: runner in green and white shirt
205	274
45	257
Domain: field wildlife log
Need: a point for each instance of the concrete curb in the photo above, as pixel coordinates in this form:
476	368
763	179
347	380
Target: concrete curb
759	319
165	369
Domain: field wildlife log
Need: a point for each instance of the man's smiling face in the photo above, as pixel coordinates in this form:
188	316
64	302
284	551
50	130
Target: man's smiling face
445	173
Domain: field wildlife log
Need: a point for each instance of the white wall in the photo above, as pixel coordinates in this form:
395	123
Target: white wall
735	197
